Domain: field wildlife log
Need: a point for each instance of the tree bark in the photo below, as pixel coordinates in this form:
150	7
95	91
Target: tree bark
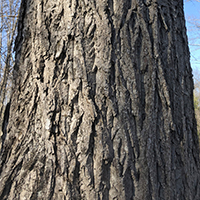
102	104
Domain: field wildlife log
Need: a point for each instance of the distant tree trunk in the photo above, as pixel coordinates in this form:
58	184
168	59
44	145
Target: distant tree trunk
8	24
102	104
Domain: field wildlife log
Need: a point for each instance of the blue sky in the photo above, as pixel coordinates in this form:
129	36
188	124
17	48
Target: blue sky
192	14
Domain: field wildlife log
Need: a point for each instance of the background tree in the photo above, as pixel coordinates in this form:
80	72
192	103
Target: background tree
102	103
197	97
194	42
8	23
193	26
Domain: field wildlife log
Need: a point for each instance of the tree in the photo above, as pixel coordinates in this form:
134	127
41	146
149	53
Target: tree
8	24
194	0
194	43
193	26
197	98
102	104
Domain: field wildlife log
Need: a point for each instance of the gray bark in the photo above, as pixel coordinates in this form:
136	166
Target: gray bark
102	104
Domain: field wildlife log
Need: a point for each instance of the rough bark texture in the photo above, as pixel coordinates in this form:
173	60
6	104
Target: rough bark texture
102	104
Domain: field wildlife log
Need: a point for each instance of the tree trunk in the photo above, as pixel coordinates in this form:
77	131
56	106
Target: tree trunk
102	104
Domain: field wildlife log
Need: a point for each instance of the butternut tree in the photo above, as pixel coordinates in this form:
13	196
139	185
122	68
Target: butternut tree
102	104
